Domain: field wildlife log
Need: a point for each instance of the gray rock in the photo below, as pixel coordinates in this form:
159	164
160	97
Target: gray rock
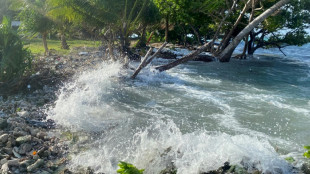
41	135
3	161
23	114
5	168
3	123
25	163
4	138
15	152
23	139
36	165
34	131
305	168
24	148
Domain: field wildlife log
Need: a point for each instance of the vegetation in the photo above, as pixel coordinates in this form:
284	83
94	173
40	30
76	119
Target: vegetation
126	168
14	58
307	154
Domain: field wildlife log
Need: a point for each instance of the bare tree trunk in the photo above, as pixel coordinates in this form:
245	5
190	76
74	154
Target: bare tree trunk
197	34
184	59
44	39
146	61
220	26
243	56
228	36
64	44
227	52
167	28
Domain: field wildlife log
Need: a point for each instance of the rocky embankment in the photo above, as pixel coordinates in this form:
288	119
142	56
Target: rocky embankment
28	142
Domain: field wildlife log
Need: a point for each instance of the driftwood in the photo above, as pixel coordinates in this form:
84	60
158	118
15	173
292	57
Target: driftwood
147	60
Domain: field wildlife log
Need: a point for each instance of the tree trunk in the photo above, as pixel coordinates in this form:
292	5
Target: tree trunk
228	36
227	52
167	28
44	39
146	61
64	44
197	34
212	50
184	59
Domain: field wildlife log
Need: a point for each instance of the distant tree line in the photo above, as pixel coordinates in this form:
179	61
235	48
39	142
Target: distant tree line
185	22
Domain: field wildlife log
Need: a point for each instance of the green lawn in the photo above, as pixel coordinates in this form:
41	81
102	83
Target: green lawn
36	45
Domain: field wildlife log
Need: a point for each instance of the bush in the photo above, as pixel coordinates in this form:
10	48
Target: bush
127	168
14	58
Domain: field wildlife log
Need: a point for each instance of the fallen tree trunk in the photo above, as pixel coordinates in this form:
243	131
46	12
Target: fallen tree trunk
184	59
146	61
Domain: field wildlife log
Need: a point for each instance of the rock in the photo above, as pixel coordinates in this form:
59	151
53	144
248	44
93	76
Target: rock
4	138
24	148
3	161
7	150
41	135
34	166
3	123
14	162
34	131
25	163
15	152
5	168
305	168
11	142
45	172
83	53
240	170
23	139
54	150
23	114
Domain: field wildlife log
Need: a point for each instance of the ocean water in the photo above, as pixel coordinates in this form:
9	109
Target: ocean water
253	112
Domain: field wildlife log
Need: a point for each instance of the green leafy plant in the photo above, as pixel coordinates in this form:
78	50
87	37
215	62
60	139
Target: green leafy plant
127	168
14	58
307	154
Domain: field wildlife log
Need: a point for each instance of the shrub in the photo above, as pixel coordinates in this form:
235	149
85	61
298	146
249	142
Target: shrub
126	168
14	58
307	154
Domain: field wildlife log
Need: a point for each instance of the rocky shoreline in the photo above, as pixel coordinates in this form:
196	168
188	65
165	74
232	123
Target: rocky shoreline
27	141
31	144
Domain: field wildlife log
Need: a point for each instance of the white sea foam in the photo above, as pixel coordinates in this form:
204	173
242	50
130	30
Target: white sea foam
162	144
80	104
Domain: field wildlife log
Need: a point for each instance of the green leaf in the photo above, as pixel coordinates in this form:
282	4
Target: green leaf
290	159
307	147
307	154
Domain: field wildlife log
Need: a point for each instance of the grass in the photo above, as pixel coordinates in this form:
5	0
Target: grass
36	45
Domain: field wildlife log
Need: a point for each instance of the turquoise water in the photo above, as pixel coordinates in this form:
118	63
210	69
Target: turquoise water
196	116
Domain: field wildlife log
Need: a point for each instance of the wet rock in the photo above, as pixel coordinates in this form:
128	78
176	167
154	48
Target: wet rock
23	114
5	168
54	150
305	168
35	165
240	170
23	139
4	138
15	152
41	134
7	150
3	161
3	123
25	163
25	148
34	131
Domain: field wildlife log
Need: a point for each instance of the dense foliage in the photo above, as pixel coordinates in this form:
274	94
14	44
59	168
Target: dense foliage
14	59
